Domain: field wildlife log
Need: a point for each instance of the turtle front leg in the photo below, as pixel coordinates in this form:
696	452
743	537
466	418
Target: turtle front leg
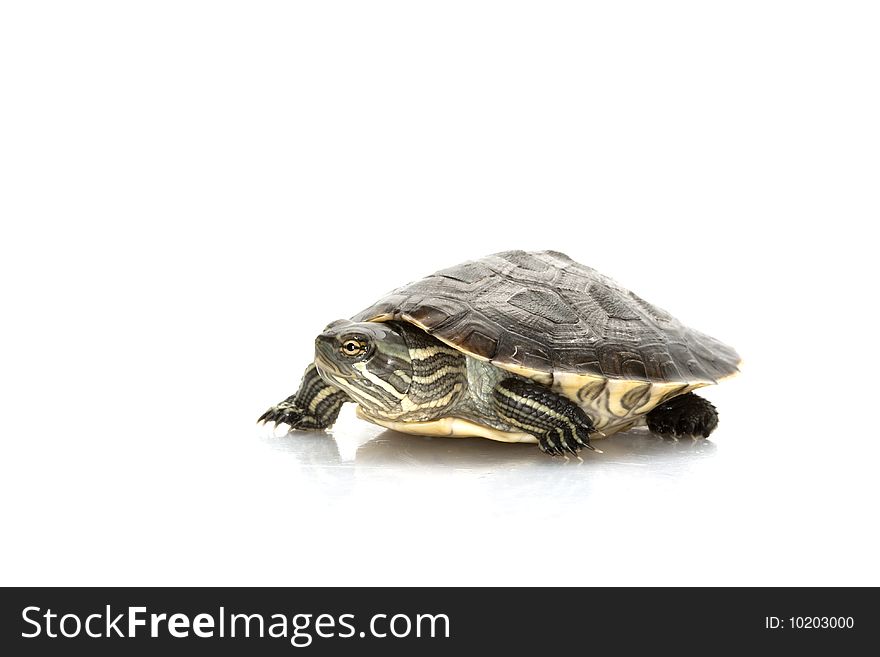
685	415
559	424
314	406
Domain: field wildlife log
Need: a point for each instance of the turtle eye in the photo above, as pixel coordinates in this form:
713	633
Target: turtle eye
353	347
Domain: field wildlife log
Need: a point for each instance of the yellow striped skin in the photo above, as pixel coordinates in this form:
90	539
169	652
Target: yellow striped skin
559	424
315	405
404	376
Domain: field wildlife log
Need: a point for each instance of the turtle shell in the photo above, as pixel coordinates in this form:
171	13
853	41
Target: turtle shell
542	313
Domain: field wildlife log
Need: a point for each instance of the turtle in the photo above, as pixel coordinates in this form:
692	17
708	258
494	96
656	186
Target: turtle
518	347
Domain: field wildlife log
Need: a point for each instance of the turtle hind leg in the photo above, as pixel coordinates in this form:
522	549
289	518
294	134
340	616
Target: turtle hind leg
685	415
559	424
315	405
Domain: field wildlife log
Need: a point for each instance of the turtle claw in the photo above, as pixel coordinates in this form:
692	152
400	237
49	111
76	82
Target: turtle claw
583	437
548	446
561	443
573	446
283	413
580	439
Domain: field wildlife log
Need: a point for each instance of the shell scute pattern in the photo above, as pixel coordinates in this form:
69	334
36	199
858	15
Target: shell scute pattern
545	313
546	304
613	304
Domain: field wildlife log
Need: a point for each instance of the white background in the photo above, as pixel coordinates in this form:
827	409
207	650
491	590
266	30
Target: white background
190	191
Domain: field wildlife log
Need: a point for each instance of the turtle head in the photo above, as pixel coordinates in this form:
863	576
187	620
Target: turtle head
368	360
